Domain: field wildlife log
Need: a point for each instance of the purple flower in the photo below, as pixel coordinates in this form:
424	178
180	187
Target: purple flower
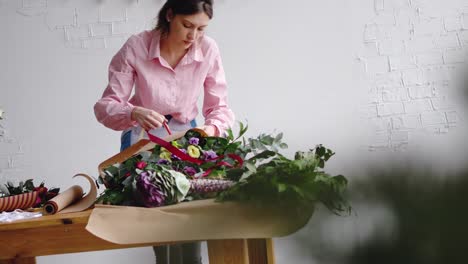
189	170
151	193
194	141
163	161
210	155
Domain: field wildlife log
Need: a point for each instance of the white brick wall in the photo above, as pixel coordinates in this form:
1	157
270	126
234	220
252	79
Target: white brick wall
429	58
102	25
433	118
453	24
391	47
59	18
402	62
421	91
412	77
376	65
428	26
423	46
11	156
395	94
389	109
452	117
454	56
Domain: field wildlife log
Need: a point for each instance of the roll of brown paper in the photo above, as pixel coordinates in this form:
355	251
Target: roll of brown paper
72	200
63	200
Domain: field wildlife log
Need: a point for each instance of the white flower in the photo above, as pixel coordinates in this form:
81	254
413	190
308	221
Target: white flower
1	114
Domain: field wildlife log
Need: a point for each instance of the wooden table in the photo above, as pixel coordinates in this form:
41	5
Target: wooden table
21	241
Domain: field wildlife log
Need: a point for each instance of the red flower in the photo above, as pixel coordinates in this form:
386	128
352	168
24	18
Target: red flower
141	165
41	190
38	201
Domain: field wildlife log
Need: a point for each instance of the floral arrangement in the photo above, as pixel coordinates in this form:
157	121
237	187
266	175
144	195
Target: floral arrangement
226	168
44	194
1	113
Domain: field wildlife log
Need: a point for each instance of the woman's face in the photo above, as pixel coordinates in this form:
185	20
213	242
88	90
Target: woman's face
186	29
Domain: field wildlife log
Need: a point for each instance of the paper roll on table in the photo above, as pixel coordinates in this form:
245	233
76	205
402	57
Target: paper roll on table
72	200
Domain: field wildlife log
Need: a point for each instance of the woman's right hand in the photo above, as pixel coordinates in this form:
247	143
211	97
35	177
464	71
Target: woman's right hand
147	118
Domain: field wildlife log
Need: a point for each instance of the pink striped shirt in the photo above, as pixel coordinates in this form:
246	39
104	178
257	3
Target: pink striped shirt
163	89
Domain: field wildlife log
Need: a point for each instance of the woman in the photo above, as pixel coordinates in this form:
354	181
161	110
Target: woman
169	67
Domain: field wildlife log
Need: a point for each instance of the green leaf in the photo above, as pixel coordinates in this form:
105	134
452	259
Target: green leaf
207	165
320	150
267	140
230	135
263	155
278	138
242	130
112	170
281	187
29	185
321	164
234	174
250	166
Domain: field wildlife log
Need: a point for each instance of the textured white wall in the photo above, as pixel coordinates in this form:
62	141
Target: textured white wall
371	80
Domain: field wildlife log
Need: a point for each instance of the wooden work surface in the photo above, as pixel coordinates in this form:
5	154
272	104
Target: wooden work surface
23	240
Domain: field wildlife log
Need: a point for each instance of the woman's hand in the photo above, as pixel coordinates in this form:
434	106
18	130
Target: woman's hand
147	118
210	130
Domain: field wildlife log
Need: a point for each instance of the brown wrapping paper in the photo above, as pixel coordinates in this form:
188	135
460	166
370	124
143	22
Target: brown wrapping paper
72	200
195	220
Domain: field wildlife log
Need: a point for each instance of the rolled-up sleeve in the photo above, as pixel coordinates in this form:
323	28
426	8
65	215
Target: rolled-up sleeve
215	106
113	110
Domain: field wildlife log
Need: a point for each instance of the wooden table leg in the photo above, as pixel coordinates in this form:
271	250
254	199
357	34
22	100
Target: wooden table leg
241	251
261	251
31	260
229	251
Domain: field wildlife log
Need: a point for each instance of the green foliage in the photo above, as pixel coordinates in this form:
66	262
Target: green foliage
23	187
284	182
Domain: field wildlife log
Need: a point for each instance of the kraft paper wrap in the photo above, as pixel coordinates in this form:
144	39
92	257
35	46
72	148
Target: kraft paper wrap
72	200
195	220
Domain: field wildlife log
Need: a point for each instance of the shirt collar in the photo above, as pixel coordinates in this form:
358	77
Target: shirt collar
154	49
194	54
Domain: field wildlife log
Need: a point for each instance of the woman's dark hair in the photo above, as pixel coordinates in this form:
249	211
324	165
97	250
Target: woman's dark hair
182	7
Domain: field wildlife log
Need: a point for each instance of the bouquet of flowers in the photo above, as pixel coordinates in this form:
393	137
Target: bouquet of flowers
226	168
